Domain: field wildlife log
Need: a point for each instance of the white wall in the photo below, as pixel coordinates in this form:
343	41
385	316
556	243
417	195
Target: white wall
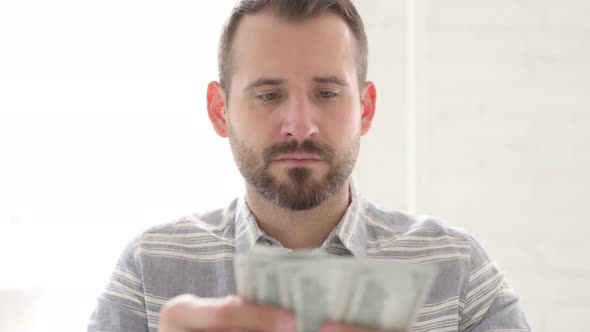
103	132
381	169
503	146
503	141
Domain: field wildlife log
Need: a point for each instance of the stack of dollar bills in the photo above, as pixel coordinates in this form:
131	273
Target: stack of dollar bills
373	293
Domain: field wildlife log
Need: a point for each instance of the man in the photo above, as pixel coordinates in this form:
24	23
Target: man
294	101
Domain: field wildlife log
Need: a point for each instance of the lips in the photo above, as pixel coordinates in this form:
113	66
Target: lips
295	153
298	159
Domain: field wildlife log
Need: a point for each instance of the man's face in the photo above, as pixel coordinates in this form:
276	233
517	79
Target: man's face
294	109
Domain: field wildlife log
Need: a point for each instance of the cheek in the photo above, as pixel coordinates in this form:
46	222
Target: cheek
253	125
339	128
250	132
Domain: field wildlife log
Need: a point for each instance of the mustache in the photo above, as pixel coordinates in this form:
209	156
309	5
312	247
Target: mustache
307	146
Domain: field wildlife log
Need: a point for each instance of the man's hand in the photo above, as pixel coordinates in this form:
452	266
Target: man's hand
188	313
337	327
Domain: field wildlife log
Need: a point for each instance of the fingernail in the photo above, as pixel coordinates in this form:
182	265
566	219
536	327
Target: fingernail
287	323
328	327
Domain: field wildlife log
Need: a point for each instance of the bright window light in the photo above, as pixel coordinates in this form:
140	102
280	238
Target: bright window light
103	133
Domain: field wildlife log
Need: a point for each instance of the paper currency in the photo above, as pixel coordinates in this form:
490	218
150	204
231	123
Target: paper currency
378	294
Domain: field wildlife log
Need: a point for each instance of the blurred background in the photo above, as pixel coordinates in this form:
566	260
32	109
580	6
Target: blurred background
482	120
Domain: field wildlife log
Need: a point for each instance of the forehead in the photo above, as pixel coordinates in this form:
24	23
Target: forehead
268	45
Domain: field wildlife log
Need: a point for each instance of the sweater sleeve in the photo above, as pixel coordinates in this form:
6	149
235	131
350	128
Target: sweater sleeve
121	306
487	302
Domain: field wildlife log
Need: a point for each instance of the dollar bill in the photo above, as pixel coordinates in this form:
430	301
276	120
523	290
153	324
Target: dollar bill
379	294
316	291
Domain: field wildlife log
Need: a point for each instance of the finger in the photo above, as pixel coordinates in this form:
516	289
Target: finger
339	327
193	313
229	330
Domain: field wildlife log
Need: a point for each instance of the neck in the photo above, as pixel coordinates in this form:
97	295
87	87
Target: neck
299	229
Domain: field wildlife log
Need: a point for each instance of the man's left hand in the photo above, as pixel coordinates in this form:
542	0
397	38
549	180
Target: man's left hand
338	327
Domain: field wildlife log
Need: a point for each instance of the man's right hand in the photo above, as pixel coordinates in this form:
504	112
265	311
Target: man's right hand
188	313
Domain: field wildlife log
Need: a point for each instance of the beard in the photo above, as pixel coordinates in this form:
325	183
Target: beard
301	191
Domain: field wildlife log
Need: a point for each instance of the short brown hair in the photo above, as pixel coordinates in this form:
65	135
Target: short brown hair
292	10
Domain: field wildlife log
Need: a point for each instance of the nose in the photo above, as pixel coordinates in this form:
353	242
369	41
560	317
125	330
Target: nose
298	121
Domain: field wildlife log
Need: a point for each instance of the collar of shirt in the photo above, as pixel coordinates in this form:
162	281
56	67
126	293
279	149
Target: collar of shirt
350	232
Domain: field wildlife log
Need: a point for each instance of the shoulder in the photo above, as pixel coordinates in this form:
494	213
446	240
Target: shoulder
400	223
419	238
212	221
197	231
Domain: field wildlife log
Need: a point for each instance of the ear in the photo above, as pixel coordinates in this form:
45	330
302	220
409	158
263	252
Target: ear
369	100
216	108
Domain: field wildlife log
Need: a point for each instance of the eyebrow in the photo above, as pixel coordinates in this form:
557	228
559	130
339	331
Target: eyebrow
272	81
330	79
262	82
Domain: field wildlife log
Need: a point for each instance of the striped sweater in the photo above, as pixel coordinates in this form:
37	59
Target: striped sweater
195	255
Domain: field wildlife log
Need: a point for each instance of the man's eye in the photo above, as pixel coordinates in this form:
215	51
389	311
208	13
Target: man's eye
327	94
271	96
